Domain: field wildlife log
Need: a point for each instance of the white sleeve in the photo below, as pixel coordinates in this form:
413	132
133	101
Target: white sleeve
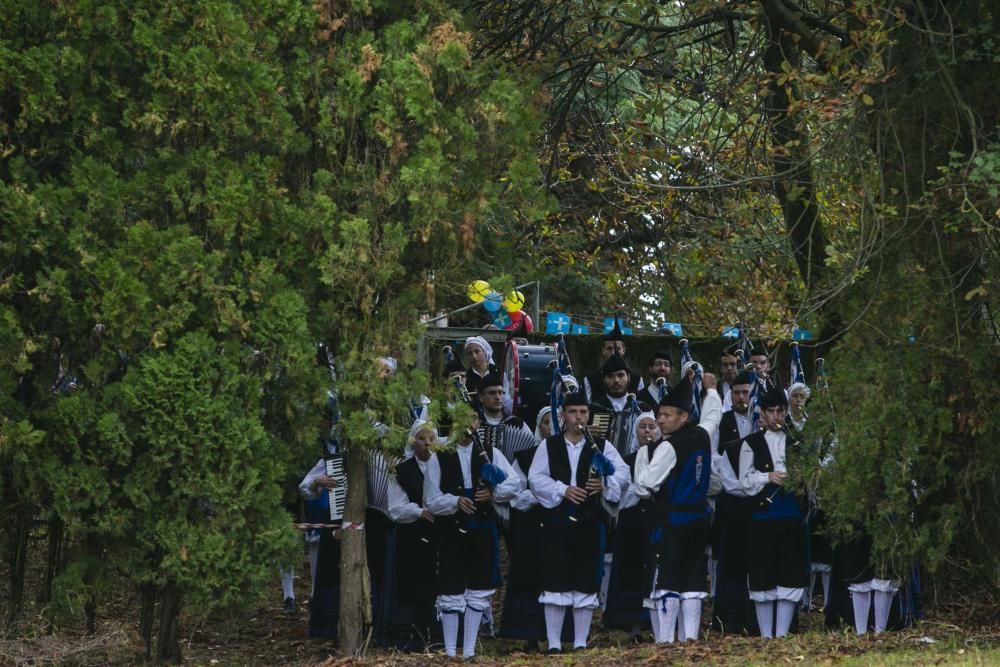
525	499
550	492
586	387
509	488
629	498
751	480
615	484
651	477
730	482
306	488
441	504
711	414
401	510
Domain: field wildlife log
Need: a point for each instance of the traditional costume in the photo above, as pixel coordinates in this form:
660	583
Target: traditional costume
573	537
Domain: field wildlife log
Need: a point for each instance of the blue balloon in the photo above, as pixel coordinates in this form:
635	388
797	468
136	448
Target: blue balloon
493	302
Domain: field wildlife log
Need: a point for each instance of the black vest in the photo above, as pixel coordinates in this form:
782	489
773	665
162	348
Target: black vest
650	395
411	480
451	477
729	433
524	459
689	441
773	499
559	469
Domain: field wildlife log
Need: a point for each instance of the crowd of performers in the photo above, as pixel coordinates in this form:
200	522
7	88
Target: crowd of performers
677	497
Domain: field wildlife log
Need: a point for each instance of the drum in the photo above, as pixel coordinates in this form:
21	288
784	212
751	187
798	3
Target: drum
529	377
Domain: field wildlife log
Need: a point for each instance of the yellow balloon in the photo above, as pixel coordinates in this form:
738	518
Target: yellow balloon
514	302
477	290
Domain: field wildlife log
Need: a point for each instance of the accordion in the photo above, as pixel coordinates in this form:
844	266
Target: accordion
338	494
615	427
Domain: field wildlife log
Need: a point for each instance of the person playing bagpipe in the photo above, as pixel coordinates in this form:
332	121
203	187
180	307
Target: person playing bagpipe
409	594
675	475
460	488
777	567
732	609
628	603
593	384
570	475
660	367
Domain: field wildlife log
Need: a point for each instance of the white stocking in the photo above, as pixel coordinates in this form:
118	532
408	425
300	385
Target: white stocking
449	627
862	603
765	618
554	616
669	610
786	612
883	604
581	626
691	613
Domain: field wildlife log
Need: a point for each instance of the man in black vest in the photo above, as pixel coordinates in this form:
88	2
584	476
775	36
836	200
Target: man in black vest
777	568
675	475
461	501
564	481
732	612
660	368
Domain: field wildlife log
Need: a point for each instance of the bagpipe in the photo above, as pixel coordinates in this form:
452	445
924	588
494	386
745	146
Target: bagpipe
490	474
696	382
563	382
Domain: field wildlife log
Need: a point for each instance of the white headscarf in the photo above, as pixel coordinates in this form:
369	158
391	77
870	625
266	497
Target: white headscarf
635	444
797	386
391	363
418	426
481	342
538	423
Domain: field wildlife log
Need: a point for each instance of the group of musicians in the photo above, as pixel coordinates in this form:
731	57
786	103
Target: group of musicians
635	495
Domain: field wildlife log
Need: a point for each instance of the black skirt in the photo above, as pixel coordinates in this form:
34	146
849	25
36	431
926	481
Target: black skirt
628	585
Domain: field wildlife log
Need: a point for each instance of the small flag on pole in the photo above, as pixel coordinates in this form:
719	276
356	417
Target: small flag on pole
557	323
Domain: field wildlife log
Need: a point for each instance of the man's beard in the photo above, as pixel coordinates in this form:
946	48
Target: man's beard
619	393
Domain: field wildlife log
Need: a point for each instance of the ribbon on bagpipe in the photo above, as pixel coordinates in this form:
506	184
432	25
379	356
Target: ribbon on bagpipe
563	382
743	350
696	383
632	407
490	473
823	384
795	371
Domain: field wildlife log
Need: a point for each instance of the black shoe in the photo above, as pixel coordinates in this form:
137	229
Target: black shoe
577	649
554	651
290	607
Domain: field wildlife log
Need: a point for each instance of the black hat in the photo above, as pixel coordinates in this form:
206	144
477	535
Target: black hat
615	333
575	398
453	365
659	354
758	351
681	396
615	363
774	397
490	380
730	351
743	378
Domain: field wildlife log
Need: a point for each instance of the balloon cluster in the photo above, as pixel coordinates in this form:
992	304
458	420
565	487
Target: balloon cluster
504	311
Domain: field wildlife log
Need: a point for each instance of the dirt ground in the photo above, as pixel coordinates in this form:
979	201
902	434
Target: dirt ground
949	635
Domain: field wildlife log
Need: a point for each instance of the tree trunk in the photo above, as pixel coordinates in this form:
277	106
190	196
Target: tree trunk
147	594
53	562
168	646
355	593
94	552
18	558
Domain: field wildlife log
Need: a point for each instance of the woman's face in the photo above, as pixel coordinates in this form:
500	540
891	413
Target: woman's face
545	426
797	401
422	442
647	431
477	357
